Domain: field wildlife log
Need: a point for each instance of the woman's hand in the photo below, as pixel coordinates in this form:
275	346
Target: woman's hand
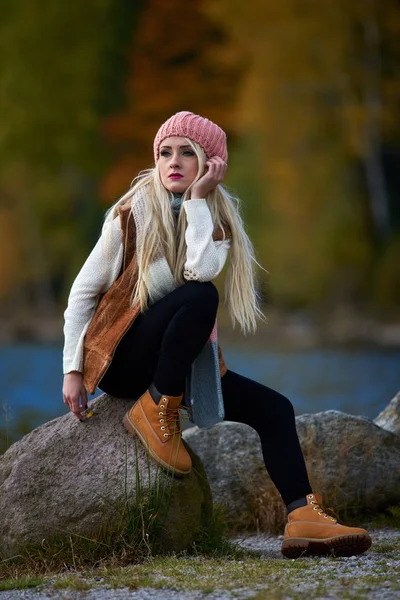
216	169
73	390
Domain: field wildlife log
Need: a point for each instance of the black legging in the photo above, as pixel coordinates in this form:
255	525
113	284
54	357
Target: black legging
160	346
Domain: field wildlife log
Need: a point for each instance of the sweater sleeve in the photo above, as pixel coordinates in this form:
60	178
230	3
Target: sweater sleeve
205	258
95	277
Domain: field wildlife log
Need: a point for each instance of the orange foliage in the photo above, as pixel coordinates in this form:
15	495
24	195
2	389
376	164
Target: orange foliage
180	61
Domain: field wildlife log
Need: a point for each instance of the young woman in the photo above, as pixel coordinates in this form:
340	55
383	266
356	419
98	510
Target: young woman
141	323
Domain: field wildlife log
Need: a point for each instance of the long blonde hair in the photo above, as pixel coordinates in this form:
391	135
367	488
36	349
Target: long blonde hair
241	294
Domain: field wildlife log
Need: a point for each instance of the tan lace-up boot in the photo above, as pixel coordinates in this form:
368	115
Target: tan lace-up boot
310	530
157	426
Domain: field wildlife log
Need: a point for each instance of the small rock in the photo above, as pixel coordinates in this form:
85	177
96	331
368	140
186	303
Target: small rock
389	418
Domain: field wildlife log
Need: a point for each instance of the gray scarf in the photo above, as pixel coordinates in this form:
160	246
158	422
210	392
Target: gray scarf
176	204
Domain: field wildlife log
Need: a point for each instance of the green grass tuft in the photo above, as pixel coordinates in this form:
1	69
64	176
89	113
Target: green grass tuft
390	517
213	541
72	582
21	583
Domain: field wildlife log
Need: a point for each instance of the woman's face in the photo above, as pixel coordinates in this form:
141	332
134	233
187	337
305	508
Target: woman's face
178	164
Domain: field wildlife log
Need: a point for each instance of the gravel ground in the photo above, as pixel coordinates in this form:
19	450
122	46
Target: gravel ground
350	568
340	575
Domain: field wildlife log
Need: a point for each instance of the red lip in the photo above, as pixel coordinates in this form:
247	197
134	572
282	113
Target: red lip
175	176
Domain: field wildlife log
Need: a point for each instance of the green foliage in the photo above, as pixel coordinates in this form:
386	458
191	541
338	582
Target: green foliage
50	63
20	583
57	81
71	582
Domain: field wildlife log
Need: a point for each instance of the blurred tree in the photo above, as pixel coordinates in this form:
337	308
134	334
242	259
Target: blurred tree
56	84
9	259
373	118
308	92
320	98
180	60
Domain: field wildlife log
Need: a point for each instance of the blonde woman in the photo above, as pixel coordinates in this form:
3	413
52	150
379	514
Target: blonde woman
141	323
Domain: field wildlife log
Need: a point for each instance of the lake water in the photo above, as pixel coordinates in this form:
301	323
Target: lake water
359	382
354	381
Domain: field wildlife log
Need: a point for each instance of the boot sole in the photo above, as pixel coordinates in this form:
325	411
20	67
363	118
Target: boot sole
344	545
131	428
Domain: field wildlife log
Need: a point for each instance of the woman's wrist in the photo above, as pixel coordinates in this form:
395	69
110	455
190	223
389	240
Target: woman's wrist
73	373
196	194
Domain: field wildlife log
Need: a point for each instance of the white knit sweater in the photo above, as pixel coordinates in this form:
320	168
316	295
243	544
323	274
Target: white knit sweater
205	259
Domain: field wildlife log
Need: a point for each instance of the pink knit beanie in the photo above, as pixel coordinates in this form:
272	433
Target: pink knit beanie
186	124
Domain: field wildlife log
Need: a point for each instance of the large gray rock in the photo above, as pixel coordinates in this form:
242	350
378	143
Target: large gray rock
231	455
389	418
354	464
68	476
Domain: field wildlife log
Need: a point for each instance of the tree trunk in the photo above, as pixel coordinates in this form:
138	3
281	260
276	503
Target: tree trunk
378	196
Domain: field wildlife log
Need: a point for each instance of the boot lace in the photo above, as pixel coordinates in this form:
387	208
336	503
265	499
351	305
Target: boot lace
170	419
320	510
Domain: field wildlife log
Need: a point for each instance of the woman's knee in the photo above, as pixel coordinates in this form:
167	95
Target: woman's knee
266	407
275	407
285	407
202	294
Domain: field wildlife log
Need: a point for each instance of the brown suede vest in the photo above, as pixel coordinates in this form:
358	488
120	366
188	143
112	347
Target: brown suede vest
114	313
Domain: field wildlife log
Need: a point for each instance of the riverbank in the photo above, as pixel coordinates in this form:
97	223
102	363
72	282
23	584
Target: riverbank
338	328
261	574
